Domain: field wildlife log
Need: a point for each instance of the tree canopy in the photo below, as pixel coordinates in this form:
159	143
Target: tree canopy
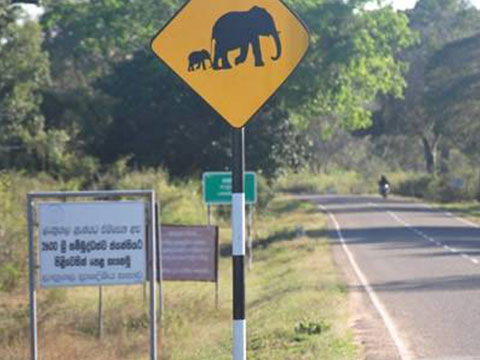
90	92
24	72
421	114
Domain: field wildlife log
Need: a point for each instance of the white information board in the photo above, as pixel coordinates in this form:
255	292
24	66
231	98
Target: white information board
91	243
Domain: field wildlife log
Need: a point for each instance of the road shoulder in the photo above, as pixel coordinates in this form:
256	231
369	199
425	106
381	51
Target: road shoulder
370	332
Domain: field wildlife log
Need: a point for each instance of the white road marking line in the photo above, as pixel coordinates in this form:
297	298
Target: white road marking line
465	221
422	234
449	214
391	327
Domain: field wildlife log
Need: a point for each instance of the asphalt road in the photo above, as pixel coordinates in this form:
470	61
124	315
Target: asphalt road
421	269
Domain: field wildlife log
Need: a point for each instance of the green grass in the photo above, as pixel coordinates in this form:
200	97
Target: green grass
470	210
296	305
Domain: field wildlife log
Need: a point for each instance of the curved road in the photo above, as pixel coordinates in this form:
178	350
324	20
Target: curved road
421	268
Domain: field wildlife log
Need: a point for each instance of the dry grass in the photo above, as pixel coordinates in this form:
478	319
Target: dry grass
296	306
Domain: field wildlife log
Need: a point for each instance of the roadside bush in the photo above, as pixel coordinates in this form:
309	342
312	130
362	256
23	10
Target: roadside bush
14	187
417	185
265	193
180	202
441	188
334	182
444	189
460	179
302	182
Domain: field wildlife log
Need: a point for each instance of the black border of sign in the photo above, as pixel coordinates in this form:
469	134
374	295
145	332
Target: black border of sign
271	96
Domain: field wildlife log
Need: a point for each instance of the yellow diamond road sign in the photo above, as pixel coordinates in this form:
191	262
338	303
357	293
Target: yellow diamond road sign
234	53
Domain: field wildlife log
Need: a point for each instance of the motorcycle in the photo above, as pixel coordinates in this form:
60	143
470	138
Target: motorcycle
384	190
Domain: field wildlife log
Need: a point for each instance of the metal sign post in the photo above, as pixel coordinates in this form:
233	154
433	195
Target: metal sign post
152	234
31	281
161	297
63	213
238	246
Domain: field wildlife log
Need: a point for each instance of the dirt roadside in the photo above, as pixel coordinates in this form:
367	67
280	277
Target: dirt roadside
370	332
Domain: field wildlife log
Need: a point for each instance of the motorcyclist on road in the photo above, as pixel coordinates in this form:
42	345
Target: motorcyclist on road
383	181
383	186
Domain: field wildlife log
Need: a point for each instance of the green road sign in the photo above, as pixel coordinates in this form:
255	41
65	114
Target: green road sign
217	187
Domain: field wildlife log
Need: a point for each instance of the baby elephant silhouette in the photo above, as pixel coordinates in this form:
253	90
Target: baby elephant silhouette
197	59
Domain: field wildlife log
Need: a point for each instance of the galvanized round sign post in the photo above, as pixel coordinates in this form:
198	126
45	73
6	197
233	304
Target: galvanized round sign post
238	245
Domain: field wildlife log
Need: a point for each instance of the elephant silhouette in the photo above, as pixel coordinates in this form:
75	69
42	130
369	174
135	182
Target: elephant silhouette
239	30
197	59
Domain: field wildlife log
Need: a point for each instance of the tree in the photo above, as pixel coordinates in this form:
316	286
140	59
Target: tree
118	100
452	98
158	120
352	62
85	40
438	22
23	73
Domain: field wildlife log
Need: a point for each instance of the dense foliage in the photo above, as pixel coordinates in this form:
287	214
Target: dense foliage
24	72
438	111
110	99
377	86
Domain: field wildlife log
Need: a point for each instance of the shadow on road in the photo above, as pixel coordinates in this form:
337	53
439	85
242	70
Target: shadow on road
465	239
